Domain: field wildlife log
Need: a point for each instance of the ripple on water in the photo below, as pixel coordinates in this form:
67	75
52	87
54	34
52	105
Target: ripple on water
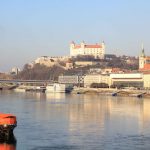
131	142
57	147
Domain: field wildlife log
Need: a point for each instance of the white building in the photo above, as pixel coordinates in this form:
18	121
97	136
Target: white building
146	78
15	71
96	78
127	79
85	63
45	60
71	79
96	50
69	65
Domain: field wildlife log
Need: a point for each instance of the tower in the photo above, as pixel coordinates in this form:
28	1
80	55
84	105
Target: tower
103	44
142	58
72	46
82	44
103	49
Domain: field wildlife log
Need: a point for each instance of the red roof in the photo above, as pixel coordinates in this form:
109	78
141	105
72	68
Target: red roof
147	57
77	46
93	46
116	69
146	67
146	72
88	46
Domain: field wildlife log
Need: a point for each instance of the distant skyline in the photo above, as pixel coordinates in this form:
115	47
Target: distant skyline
33	28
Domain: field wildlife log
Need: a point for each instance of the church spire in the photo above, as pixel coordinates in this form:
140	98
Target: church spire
143	52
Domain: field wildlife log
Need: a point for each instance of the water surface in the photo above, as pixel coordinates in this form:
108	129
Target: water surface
74	122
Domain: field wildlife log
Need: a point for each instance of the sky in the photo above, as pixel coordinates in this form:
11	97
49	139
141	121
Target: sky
34	28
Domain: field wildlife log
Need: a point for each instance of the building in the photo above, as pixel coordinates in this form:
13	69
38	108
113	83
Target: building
127	79
96	78
107	70
144	61
15	71
85	63
73	80
110	56
45	60
96	50
146	79
95	70
69	65
132	60
60	58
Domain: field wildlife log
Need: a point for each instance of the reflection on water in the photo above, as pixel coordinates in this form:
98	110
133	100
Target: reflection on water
55	96
8	144
59	121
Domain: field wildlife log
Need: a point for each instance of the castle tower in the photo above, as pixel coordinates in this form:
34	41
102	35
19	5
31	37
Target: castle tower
103	47
83	44
103	44
142	58
72	46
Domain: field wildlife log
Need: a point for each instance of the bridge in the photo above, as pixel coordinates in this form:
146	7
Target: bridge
10	84
15	81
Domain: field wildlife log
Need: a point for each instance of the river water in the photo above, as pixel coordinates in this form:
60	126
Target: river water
78	122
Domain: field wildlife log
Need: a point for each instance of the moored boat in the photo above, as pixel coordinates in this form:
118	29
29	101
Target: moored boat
36	89
58	88
7	124
20	89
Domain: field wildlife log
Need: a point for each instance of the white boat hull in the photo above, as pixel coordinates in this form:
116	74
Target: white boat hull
56	88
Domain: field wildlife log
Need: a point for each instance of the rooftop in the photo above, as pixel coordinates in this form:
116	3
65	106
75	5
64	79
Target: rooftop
89	46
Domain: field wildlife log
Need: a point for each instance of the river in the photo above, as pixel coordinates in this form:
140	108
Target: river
78	122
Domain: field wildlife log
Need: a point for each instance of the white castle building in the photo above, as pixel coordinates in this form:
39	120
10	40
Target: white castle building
96	50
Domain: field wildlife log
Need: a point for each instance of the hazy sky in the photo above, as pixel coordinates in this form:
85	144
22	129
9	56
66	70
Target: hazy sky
33	28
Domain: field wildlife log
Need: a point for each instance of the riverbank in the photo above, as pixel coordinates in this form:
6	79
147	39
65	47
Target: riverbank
82	90
112	91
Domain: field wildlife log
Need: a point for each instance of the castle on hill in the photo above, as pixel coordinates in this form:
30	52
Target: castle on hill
96	50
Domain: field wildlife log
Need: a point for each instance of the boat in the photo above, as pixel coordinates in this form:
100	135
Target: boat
58	88
7	124
114	94
139	95
20	89
36	89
